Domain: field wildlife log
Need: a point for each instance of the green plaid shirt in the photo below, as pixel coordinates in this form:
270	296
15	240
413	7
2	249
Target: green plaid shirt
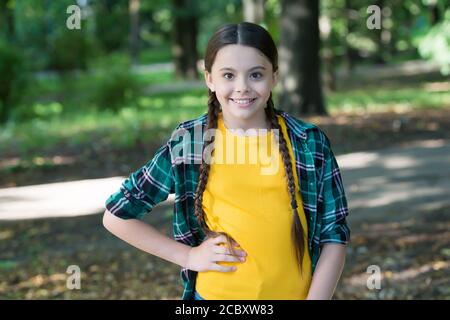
175	169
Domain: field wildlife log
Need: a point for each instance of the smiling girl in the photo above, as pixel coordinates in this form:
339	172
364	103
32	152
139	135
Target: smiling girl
241	232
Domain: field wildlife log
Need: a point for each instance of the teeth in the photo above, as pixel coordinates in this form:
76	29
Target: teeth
242	101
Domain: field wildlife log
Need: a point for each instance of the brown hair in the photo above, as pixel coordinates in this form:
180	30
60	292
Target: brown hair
255	36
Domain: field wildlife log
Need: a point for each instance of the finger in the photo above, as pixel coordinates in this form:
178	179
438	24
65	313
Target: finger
223	250
217	267
227	258
223	239
234	243
219	239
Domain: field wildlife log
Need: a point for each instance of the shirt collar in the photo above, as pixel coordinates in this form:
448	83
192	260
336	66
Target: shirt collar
298	127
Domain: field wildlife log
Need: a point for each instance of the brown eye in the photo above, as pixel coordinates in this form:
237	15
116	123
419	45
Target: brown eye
226	74
258	75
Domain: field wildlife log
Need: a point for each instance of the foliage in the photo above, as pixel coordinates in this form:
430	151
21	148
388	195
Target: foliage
71	49
214	15
115	84
112	24
272	16
434	43
41	35
157	54
41	31
351	39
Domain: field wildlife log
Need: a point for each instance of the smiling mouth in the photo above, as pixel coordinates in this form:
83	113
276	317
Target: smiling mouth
243	102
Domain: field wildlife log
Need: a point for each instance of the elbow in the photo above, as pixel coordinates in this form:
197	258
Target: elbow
106	221
111	222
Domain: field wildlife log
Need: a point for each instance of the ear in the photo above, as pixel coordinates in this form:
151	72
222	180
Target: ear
275	78
208	80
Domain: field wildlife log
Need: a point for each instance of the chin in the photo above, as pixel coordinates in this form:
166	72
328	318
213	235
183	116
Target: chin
242	114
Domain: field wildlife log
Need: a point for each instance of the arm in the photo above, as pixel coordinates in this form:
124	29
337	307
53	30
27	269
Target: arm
138	195
145	237
328	272
334	233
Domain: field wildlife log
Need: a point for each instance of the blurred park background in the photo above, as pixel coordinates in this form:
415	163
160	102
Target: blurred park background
84	102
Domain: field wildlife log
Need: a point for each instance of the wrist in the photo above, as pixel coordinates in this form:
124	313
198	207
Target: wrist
184	256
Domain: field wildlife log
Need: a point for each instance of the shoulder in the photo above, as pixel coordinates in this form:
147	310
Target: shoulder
294	121
192	123
301	128
188	131
311	134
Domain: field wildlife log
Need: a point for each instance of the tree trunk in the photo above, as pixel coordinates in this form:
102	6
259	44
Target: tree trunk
6	21
185	30
134	6
350	54
301	90
328	58
436	16
380	38
253	11
329	72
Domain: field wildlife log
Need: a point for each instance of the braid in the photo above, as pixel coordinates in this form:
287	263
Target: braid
297	229
213	113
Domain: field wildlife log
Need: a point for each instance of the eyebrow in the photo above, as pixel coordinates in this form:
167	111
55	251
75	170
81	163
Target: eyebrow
257	67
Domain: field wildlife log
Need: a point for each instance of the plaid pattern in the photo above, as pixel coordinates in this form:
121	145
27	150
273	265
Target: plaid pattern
175	169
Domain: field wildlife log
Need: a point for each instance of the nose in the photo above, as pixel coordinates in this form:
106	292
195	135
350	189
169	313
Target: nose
241	85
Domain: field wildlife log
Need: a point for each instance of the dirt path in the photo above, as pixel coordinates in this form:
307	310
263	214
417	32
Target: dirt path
400	217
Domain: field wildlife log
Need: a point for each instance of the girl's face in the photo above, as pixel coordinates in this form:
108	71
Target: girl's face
242	78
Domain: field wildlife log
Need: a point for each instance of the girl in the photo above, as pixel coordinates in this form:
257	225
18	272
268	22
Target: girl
256	229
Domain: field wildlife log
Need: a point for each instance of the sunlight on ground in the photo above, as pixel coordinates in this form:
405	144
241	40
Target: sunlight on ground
373	180
63	199
361	279
437	86
398	180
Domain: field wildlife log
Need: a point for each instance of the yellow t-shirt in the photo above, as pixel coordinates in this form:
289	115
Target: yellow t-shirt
249	200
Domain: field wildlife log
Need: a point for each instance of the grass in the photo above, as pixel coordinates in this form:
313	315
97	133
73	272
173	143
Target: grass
81	82
153	118
389	99
149	79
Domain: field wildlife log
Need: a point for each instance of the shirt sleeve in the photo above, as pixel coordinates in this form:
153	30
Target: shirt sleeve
144	188
332	202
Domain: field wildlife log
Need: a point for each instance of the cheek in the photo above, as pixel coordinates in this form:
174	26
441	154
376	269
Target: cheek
225	91
263	89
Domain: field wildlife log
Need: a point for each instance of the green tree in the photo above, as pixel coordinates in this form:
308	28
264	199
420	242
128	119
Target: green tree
433	43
